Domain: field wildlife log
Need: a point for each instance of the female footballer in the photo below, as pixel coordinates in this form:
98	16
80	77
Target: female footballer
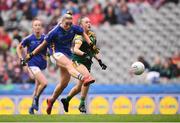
60	39
82	59
37	63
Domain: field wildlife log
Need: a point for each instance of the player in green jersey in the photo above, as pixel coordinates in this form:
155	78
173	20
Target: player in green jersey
82	59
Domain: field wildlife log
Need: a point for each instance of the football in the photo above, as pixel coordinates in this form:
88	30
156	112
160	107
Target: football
137	68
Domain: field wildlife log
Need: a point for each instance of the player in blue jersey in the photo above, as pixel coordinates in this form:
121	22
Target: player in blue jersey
60	39
82	58
37	63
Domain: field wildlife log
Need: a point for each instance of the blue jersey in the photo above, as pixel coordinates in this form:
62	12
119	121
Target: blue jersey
60	40
31	42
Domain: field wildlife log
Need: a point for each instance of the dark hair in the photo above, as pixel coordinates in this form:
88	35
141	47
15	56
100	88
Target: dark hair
35	19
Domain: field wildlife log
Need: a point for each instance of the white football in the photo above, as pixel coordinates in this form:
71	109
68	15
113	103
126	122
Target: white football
137	68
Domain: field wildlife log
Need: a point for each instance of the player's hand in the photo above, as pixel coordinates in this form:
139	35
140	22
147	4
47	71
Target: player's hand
85	54
22	62
29	57
94	48
103	66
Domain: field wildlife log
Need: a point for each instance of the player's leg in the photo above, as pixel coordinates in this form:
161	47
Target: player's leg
41	83
76	89
31	109
64	80
35	88
63	61
84	89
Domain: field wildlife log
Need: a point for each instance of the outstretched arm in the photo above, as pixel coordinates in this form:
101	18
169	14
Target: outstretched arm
39	48
36	51
97	57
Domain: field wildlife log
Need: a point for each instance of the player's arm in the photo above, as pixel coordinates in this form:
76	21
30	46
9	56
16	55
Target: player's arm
40	47
77	45
20	50
80	31
97	57
93	46
36	50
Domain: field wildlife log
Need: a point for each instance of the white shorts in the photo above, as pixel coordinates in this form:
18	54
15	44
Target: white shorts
34	69
56	56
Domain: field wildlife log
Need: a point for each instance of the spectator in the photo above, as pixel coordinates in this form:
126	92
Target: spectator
138	6
176	58
153	76
14	18
34	9
16	35
173	68
27	12
56	15
16	78
5	41
157	65
166	71
110	16
124	17
157	3
3	74
1	21
3	5
96	15
71	5
41	5
83	12
10	70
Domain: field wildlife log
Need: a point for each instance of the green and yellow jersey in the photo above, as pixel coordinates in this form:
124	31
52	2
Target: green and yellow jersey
85	60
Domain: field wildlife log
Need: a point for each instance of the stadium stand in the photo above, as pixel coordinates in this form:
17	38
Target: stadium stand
154	33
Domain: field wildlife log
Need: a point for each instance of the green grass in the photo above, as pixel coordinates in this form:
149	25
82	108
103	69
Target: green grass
90	118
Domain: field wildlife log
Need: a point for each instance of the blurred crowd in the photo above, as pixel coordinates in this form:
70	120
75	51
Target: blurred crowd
16	17
162	69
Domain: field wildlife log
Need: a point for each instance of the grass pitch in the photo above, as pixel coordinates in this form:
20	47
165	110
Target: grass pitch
89	118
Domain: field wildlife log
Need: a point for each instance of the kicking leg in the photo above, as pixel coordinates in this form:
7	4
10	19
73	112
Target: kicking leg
62	60
65	78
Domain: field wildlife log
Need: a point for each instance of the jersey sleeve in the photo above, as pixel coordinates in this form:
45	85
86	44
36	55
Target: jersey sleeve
78	30
78	39
92	37
50	36
24	42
